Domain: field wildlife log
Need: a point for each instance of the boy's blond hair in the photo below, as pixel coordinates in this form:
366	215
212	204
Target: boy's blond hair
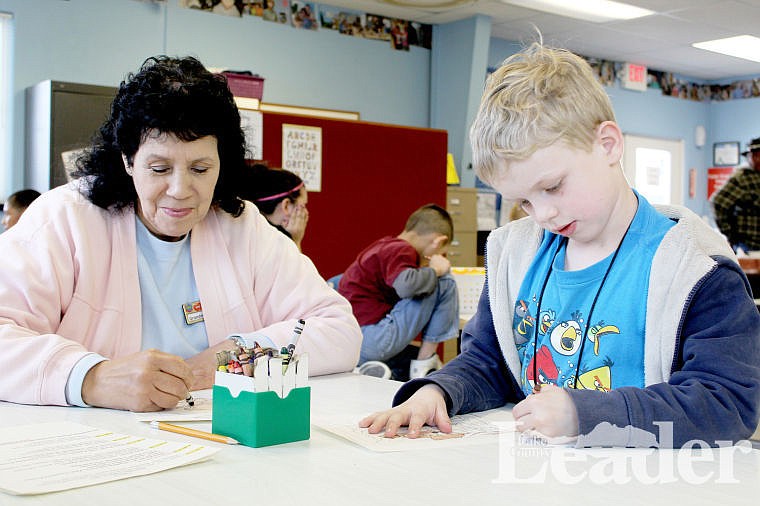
537	97
428	219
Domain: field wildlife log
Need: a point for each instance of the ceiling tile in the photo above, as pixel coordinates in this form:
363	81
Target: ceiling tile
734	16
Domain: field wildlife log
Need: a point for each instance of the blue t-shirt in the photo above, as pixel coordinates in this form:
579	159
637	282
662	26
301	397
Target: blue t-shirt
610	347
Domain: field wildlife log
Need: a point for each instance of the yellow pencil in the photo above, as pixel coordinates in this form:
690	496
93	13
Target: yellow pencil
193	432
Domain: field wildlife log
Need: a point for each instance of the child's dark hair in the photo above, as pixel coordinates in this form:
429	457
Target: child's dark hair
430	218
176	96
22	198
267	187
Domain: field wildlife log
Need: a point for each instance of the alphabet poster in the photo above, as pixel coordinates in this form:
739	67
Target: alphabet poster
302	154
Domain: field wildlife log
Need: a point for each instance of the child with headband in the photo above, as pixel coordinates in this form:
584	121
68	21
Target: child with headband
281	197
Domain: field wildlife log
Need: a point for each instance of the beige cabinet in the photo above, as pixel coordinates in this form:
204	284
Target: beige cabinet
462	205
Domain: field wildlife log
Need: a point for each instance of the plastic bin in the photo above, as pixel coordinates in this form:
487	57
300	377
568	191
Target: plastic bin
242	85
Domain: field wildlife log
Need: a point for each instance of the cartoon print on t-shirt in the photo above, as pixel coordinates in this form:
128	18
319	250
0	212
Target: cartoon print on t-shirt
524	322
567	337
600	330
545	369
597	379
545	321
560	344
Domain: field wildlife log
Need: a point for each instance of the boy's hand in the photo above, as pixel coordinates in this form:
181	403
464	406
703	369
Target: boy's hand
440	264
426	406
550	412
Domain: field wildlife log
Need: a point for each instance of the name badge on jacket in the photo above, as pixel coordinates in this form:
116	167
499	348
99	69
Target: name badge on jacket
193	312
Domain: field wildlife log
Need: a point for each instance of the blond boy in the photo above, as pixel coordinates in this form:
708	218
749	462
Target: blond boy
603	318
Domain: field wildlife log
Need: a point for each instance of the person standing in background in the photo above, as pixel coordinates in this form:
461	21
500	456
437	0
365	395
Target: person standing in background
737	204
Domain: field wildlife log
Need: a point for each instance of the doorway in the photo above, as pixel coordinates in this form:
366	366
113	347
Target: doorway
654	167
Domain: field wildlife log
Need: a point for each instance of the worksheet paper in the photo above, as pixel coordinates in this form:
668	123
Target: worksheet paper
182	412
469	429
49	457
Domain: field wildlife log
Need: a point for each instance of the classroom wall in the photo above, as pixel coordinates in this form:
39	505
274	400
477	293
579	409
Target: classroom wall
652	114
734	120
458	71
99	41
359	203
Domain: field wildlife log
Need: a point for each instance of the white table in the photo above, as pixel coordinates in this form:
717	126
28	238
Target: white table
332	471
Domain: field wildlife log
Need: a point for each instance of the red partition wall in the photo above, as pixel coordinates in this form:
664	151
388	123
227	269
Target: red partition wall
373	177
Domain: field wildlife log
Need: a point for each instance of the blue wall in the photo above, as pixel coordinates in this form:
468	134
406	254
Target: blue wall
734	120
458	71
653	114
99	41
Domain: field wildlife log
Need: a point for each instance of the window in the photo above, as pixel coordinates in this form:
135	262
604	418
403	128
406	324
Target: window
5	103
655	168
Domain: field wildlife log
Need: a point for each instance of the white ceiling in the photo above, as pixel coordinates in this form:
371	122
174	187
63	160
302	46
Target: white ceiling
661	41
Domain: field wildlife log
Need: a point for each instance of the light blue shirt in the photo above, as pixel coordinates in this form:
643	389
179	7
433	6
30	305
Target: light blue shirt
167	283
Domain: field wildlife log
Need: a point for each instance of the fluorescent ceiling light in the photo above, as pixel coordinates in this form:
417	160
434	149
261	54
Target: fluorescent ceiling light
597	11
741	46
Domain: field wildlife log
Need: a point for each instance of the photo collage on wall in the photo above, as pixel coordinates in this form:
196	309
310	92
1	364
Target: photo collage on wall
674	87
399	33
607	71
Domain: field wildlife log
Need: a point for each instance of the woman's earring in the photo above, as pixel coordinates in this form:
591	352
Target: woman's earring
127	167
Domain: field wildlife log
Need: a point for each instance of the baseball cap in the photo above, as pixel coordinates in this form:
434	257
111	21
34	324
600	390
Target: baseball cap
754	145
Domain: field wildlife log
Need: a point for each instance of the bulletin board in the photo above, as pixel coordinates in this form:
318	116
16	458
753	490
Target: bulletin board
373	176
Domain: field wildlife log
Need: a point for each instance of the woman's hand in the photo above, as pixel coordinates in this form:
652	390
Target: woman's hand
426	406
550	412
147	381
204	365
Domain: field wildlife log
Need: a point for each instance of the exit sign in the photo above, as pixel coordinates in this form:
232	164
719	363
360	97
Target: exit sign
634	77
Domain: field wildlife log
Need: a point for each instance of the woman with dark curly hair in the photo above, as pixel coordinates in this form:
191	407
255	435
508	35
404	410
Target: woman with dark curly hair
122	285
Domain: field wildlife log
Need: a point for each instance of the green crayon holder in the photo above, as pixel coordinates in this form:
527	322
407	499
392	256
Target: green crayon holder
259	419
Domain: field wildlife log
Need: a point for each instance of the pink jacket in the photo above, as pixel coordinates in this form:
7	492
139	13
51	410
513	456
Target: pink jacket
69	286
